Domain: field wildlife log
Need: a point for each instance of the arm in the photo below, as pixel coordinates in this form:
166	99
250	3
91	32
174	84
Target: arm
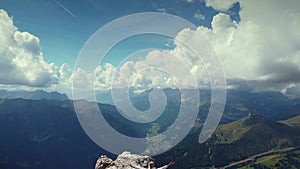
167	166
137	167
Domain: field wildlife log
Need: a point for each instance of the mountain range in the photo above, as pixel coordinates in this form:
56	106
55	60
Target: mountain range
45	133
33	95
235	141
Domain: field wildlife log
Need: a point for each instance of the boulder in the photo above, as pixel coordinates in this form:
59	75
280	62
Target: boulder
123	161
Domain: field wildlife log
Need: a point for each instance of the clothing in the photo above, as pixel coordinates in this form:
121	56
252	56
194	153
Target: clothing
163	167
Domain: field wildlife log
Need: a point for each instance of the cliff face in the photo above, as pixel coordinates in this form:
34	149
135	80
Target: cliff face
123	161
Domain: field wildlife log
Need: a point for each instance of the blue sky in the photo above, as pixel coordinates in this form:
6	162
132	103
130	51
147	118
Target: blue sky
63	26
257	43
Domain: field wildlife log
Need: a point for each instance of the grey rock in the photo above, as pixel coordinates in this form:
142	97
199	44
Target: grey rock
123	161
103	162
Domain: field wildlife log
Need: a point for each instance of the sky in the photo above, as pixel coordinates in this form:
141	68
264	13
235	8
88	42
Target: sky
257	43
64	26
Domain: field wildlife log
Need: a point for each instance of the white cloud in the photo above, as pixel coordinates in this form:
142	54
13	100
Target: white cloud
220	5
159	69
162	10
155	71
263	48
261	52
21	59
82	80
65	73
104	76
190	1
100	79
199	16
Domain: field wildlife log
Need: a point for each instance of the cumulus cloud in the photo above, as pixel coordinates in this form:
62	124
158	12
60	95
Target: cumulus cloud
159	69
65	74
199	16
220	5
155	71
21	59
99	79
263	48
190	1
261	52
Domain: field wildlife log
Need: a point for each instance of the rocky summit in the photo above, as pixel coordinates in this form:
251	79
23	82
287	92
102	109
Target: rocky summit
123	161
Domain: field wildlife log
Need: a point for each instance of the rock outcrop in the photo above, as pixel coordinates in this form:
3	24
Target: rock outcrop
123	161
255	115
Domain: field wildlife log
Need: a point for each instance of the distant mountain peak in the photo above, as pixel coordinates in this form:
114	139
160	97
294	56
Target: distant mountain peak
253	118
33	95
255	115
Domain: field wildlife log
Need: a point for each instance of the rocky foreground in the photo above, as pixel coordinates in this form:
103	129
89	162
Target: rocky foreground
123	161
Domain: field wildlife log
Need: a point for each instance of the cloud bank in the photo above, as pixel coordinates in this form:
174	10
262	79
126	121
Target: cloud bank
220	5
260	52
263	48
21	59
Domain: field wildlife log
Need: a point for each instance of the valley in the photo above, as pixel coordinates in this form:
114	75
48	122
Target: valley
45	133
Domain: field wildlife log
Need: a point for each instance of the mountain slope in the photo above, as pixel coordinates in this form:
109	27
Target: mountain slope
254	124
239	103
235	141
45	134
251	135
294	121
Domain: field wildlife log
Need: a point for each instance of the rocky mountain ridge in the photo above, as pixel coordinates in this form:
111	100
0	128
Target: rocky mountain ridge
123	161
33	95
